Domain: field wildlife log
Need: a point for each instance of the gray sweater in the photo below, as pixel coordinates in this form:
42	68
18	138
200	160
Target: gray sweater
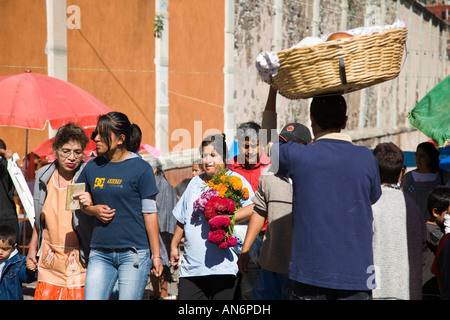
399	239
82	223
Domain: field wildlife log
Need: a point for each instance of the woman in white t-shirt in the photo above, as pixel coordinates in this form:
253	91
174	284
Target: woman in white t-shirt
419	182
206	271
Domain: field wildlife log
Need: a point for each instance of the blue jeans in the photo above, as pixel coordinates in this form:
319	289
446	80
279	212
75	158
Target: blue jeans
130	267
272	286
301	291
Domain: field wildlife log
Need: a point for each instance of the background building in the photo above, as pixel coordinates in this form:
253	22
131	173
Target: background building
182	69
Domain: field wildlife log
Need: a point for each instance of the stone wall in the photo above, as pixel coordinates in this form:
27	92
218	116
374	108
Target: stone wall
376	114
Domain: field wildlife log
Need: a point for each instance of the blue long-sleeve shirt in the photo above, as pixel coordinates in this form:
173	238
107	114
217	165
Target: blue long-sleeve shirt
334	185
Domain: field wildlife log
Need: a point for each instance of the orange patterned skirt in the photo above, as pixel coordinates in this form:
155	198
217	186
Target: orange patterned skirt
47	291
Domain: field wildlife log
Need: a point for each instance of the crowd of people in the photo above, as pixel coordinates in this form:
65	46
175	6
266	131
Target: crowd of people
325	218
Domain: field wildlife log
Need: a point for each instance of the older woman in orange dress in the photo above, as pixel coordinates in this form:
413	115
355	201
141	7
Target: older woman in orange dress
60	240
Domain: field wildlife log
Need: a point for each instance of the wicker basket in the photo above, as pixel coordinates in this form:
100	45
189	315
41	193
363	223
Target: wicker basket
340	66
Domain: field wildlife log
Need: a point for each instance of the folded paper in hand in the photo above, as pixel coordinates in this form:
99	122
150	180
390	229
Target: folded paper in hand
71	203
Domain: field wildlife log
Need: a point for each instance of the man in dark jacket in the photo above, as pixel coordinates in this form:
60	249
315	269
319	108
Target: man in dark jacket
8	214
335	184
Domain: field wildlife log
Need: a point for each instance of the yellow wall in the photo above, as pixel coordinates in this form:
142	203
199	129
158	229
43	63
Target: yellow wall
196	60
22	47
112	57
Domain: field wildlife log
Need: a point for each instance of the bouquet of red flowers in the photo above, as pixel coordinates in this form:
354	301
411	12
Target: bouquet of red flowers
218	204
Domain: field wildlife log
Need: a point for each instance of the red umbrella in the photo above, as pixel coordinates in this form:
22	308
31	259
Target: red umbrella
29	100
45	149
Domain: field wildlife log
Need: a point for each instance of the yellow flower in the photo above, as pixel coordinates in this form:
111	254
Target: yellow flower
221	188
236	183
246	193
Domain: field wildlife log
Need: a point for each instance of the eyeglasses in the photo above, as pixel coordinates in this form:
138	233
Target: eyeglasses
65	153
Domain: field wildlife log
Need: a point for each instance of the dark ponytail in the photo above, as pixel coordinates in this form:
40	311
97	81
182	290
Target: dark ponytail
135	137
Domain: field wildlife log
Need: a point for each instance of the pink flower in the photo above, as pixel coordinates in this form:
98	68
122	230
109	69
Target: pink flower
199	204
219	213
217	205
225	206
223	245
231	241
210	207
217	236
219	222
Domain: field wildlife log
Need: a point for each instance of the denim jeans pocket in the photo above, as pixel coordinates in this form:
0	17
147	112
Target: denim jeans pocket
127	269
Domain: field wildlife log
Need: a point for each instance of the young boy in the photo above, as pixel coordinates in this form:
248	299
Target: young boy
399	235
435	231
439	206
13	269
196	169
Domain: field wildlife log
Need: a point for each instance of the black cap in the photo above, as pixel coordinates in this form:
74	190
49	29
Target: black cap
296	132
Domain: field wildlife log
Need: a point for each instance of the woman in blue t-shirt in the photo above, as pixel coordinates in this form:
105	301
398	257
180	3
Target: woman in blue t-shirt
123	189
